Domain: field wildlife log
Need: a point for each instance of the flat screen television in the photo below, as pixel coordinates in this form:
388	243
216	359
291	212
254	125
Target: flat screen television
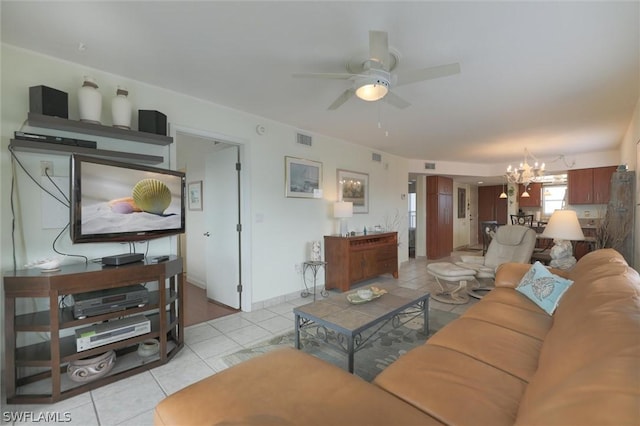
118	201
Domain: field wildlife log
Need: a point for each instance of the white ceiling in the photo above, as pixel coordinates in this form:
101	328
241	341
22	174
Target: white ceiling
555	77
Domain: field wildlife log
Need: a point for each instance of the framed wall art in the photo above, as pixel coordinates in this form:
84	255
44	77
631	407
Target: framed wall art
354	187
194	194
303	178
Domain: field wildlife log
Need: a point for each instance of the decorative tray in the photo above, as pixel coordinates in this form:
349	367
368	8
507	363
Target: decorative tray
355	299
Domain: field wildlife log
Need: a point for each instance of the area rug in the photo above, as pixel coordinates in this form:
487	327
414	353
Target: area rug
371	359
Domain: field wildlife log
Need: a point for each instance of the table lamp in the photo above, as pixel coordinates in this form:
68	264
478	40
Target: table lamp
342	210
563	227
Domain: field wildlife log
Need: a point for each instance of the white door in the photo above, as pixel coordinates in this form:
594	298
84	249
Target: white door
221	207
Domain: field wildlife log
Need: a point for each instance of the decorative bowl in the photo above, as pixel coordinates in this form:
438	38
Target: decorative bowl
45	265
365	294
148	348
88	369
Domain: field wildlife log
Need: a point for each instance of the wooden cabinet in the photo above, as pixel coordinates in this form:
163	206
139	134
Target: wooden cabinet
34	366
353	259
439	185
490	206
535	195
439	217
589	186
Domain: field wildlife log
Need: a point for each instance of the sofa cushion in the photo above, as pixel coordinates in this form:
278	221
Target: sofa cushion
285	387
512	310
507	350
452	387
543	288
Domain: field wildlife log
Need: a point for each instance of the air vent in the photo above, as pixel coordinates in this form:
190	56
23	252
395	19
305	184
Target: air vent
304	139
430	166
376	157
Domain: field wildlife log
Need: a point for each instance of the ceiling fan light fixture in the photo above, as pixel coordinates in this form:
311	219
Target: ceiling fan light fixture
372	89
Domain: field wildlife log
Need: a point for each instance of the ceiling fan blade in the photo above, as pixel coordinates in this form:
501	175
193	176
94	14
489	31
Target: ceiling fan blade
379	48
346	95
415	76
395	100
328	75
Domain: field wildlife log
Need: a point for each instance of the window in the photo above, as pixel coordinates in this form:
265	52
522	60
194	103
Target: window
553	198
412	210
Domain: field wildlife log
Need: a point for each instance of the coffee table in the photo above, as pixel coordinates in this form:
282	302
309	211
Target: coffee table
355	325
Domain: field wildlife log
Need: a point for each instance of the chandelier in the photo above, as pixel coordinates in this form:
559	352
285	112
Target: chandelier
525	174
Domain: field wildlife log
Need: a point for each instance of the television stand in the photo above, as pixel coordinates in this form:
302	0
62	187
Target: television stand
122	259
37	373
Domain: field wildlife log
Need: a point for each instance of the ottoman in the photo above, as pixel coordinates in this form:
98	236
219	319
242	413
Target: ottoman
447	271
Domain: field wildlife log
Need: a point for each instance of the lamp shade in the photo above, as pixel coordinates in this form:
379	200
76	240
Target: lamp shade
342	209
563	225
372	89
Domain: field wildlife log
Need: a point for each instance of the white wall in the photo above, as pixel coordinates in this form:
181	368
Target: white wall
280	228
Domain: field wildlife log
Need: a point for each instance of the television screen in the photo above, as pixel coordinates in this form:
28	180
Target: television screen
117	201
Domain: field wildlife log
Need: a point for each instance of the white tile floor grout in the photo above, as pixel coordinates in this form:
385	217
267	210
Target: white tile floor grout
131	401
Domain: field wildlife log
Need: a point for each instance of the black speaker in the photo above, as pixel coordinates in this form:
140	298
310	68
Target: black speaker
152	122
47	101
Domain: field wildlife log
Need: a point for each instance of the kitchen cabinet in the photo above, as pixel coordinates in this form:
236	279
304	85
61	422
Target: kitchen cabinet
535	195
589	186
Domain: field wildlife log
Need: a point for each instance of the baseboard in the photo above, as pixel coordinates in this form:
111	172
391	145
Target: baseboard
276	300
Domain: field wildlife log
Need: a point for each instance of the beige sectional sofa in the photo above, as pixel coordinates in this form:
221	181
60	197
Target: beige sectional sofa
504	362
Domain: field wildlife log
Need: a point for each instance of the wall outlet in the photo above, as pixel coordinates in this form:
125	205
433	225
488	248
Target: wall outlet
46	167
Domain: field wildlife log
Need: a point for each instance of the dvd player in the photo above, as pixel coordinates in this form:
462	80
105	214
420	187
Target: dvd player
54	139
109	300
112	331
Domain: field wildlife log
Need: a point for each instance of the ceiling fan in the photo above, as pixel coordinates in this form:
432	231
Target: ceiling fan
373	79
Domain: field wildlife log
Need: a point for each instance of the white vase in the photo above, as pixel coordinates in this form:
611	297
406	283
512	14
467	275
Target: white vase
121	109
89	101
316	254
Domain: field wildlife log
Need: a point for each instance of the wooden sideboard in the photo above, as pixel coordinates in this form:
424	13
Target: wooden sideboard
353	259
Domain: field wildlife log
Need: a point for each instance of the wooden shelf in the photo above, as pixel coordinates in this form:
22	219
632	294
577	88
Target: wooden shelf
57	123
59	149
39	321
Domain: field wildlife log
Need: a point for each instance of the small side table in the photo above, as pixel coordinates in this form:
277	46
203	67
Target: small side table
314	265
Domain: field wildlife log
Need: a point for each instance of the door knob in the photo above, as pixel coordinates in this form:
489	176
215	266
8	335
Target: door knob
207	234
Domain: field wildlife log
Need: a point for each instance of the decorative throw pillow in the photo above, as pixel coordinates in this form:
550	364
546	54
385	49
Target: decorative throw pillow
542	287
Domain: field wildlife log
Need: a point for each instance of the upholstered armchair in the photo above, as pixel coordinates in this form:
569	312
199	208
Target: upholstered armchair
513	243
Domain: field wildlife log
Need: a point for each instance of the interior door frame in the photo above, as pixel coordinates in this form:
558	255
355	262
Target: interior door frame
246	299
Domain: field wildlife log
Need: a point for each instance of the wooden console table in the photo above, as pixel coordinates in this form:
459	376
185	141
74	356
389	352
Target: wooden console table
36	373
353	259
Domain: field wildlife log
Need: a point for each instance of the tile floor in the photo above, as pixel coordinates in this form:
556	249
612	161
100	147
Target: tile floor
131	401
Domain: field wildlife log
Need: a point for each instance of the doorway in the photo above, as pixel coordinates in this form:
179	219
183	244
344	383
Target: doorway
212	245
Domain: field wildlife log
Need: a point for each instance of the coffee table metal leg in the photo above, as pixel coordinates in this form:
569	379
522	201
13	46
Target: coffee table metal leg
425	312
297	334
350	353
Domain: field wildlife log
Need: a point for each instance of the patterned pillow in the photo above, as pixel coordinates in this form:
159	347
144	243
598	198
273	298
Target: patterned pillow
543	287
